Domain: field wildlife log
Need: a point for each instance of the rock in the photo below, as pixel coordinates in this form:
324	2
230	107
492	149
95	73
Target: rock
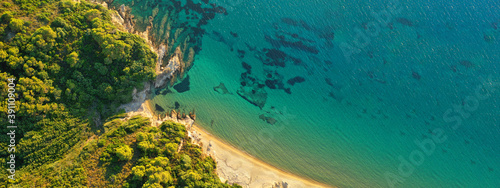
416	75
405	21
163	77
252	90
159	108
466	63
254	95
247	67
281	184
296	79
269	120
183	86
221	88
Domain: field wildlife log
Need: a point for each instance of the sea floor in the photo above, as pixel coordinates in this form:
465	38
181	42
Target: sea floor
326	91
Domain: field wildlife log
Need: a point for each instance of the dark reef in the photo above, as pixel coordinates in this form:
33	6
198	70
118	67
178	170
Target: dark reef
247	67
296	79
405	21
159	108
221	88
252	90
163	91
269	120
277	57
174	24
466	63
234	34
329	81
416	75
241	54
183	86
299	45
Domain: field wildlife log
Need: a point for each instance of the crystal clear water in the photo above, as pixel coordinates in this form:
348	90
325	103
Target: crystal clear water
429	74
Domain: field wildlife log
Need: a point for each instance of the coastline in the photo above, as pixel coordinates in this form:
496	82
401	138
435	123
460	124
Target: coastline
237	166
233	165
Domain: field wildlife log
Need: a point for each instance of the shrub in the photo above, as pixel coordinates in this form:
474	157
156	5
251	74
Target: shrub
6	17
124	152
6	4
16	25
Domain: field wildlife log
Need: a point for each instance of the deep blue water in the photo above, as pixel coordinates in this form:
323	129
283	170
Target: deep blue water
365	91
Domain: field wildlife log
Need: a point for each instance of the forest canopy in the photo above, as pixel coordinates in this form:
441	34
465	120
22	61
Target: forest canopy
72	69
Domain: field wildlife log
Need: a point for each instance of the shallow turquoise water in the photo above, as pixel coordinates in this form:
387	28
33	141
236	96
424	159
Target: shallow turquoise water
351	130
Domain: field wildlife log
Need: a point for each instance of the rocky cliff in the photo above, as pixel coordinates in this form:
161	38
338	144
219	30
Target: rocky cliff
173	29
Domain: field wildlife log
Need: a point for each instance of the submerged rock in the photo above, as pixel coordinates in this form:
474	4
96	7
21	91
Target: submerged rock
251	89
254	95
183	86
296	79
329	81
172	28
163	91
298	45
221	88
233	34
159	108
247	67
336	97
405	21
416	75
466	63
269	120
276	57
241	54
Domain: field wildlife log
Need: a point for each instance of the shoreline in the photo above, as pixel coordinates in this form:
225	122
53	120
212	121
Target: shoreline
233	165
261	173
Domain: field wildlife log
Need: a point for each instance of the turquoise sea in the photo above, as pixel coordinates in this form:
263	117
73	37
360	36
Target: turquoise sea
357	93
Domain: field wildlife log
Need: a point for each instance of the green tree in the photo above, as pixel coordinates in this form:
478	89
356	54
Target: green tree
72	60
3	55
91	14
124	152
139	172
163	178
6	17
16	25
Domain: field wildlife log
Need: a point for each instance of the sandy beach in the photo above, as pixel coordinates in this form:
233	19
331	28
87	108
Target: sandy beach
233	165
236	166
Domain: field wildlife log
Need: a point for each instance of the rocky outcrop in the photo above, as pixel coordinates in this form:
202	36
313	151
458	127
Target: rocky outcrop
138	98
253	92
280	185
166	72
173	30
221	88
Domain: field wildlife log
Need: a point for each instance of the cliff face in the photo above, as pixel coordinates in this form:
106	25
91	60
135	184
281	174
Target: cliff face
173	29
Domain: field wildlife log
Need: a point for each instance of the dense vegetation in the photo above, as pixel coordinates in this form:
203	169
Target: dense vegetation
72	69
130	153
137	155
